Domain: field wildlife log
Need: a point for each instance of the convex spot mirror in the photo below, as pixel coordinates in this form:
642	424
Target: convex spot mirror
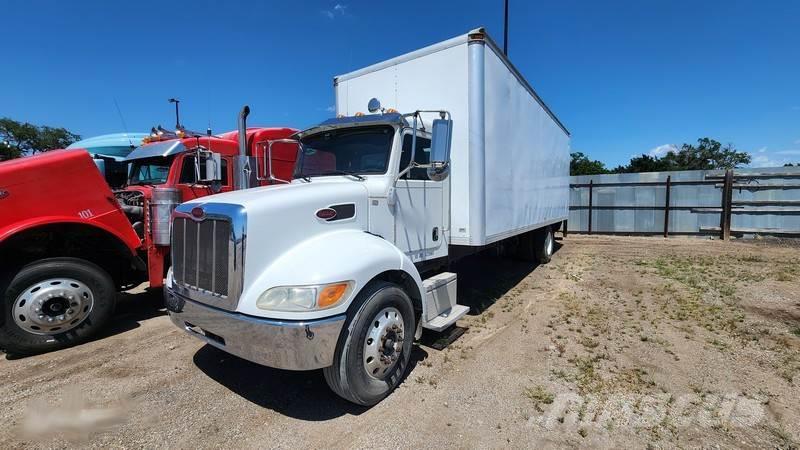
212	168
441	138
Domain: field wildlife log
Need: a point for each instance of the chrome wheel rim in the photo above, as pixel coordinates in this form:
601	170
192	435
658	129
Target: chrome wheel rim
53	306
548	243
383	345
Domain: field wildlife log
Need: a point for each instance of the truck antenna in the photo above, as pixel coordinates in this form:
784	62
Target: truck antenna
124	125
177	113
505	31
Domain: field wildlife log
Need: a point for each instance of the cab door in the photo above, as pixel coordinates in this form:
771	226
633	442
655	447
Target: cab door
420	205
187	179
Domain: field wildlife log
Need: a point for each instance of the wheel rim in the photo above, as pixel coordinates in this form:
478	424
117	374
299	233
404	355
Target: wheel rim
383	345
548	243
53	306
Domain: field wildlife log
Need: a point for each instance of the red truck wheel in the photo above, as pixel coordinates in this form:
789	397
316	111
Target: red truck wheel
54	303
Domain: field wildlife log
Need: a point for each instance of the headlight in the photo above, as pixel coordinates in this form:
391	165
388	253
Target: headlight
304	298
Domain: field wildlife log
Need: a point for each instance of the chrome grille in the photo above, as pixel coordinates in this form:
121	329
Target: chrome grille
201	254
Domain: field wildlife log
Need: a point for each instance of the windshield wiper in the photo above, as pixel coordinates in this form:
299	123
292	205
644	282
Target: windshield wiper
343	172
302	176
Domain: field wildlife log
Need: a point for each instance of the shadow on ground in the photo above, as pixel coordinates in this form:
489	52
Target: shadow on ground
302	395
485	277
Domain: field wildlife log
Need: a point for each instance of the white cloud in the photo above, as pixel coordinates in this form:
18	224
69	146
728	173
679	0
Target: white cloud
338	9
662	150
763	158
331	108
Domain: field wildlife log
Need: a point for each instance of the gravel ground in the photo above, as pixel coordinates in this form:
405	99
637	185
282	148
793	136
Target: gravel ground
634	342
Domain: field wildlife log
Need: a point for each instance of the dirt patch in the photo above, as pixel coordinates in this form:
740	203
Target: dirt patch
618	342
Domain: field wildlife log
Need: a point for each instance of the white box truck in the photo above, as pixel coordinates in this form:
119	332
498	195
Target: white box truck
345	265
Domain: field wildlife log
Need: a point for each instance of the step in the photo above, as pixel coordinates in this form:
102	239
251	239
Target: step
447	318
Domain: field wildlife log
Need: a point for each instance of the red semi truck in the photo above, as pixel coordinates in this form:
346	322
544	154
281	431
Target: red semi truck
68	243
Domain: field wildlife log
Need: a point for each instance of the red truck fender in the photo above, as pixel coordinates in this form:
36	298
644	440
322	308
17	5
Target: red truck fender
132	242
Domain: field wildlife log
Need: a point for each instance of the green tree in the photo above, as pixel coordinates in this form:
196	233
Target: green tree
20	138
708	154
645	163
582	165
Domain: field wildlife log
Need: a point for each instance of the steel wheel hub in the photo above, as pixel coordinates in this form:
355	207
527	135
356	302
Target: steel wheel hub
548	243
384	343
53	306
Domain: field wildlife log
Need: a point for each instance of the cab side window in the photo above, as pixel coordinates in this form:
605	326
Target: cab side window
423	156
189	175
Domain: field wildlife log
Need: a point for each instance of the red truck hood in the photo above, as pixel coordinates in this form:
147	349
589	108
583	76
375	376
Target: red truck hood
60	186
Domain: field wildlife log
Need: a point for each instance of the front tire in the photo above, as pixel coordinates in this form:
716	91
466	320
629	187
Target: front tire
375	346
54	303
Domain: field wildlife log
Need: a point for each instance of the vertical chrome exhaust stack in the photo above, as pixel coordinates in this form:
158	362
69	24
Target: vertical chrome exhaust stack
243	130
243	169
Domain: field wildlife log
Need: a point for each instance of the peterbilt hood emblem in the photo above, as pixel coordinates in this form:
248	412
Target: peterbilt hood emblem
198	213
326	213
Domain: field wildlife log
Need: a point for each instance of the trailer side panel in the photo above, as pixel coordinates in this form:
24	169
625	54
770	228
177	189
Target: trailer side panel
526	157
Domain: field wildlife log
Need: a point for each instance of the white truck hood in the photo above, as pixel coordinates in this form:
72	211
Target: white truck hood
279	217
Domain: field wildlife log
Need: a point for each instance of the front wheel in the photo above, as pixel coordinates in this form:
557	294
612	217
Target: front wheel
54	303
373	352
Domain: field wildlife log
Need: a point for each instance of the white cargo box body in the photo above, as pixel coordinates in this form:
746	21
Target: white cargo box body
510	154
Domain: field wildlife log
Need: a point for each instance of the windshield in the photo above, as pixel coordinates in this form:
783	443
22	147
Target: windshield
360	150
150	170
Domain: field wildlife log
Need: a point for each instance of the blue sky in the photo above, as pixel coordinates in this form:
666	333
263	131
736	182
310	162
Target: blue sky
626	77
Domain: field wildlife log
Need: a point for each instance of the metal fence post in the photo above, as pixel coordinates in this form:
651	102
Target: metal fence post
591	182
666	206
727	198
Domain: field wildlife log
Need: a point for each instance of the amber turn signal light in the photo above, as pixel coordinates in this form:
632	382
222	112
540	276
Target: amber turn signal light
331	294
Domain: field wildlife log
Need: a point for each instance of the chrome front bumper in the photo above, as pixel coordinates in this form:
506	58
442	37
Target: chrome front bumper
282	344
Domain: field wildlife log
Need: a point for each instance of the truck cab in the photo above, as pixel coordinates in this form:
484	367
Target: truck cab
170	168
368	207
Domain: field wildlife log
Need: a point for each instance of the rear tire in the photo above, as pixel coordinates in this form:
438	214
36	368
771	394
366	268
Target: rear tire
536	246
54	303
374	348
544	244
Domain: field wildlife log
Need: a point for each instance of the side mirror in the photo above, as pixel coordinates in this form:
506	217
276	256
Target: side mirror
213	168
441	138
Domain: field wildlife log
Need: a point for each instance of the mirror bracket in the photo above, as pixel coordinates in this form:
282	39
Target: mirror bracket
269	175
